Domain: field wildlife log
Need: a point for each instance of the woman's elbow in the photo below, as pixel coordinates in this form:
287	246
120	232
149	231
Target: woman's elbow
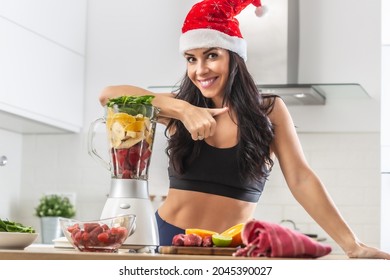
107	92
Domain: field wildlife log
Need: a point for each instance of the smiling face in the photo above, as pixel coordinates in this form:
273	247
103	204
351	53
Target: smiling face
208	69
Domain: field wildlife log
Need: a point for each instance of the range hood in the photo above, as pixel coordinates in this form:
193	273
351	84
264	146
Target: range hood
273	56
313	94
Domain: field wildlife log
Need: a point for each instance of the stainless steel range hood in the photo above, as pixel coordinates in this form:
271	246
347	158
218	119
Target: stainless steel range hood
273	56
314	94
296	94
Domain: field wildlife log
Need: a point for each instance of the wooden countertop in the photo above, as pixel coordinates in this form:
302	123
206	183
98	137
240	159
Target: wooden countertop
48	252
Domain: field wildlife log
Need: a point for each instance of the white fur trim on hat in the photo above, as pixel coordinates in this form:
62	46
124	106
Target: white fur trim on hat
210	38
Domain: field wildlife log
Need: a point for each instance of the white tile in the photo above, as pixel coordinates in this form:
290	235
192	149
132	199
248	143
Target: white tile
371	234
277	196
46	174
361	214
296	213
372	195
269	213
344	196
90	210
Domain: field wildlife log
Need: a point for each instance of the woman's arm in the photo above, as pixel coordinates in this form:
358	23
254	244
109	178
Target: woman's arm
198	121
163	101
307	188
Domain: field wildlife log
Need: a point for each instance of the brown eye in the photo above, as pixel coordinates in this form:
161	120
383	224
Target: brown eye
190	59
212	55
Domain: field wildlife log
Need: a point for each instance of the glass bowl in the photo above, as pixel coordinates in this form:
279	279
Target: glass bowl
105	235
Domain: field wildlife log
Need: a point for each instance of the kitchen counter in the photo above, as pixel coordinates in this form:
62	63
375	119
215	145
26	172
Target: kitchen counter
49	252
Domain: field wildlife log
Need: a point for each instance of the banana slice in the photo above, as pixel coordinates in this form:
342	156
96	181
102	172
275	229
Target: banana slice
118	133
130	134
127	143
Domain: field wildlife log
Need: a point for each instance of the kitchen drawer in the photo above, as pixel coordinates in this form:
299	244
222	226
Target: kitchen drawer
385	158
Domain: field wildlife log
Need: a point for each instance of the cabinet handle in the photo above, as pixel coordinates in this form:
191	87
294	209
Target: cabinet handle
3	160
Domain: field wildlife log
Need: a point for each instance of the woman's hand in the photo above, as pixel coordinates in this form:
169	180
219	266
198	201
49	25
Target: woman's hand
200	122
365	252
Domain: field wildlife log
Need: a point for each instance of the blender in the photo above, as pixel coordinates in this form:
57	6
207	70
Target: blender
130	125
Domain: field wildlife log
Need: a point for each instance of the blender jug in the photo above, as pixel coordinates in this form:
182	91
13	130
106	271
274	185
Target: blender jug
130	132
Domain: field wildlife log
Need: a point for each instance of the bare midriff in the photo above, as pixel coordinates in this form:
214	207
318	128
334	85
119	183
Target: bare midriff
190	209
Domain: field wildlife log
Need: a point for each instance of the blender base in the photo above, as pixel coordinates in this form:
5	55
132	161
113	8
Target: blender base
145	234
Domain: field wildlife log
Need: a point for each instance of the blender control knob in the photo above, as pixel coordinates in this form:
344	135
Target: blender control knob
124	206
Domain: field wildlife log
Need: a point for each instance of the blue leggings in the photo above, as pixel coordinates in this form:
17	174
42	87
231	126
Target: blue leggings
166	231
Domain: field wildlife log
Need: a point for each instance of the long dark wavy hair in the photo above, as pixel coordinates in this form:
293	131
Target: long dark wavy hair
255	131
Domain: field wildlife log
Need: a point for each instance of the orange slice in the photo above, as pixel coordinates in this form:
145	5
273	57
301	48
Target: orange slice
123	118
235	233
136	126
201	232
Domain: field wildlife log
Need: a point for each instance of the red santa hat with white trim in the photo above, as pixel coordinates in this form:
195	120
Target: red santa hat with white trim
212	23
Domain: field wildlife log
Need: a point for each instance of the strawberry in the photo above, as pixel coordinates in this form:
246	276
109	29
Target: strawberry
85	236
88	227
103	237
73	227
134	156
146	154
121	160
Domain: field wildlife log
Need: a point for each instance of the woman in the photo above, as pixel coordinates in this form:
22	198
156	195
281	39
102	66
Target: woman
224	136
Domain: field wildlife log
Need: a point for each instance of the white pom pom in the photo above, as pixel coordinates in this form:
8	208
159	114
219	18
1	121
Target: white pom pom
260	11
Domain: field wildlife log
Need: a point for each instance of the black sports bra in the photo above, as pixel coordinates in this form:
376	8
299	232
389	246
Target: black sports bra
216	171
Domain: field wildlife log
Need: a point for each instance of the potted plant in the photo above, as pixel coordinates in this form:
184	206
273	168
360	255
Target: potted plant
50	208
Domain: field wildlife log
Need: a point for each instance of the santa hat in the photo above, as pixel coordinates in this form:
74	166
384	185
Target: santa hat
212	23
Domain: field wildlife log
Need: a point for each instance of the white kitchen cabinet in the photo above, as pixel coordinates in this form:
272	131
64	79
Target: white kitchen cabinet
385	112
385	129
62	21
385	98
385	22
42	65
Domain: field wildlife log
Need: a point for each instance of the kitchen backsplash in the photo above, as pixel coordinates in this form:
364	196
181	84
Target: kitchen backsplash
347	163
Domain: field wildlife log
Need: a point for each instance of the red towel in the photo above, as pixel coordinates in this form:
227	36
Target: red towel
273	240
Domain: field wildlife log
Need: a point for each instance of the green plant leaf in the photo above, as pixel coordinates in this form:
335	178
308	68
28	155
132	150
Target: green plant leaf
55	206
123	100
